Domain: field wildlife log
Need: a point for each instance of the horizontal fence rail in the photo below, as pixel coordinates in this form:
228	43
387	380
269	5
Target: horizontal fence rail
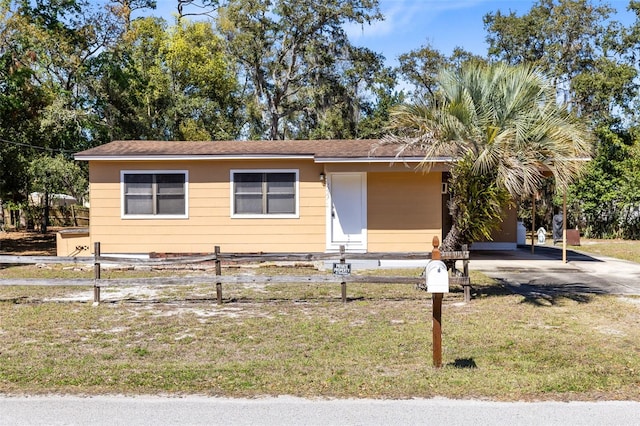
33	260
224	279
233	259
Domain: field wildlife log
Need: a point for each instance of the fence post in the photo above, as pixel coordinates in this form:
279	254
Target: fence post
343	284
465	273
96	272
73	215
218	273
437	313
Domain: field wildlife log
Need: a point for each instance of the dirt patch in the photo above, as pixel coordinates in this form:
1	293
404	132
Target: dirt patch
28	243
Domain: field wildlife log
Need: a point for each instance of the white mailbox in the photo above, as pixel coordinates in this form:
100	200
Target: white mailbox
437	277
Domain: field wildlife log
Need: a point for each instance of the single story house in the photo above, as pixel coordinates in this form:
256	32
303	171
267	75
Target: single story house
266	196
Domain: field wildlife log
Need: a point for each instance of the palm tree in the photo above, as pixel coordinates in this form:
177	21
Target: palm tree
504	130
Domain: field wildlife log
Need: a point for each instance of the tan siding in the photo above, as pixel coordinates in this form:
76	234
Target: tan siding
73	244
507	233
209	222
404	211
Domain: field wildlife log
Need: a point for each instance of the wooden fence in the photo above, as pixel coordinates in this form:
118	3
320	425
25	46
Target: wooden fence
340	261
71	215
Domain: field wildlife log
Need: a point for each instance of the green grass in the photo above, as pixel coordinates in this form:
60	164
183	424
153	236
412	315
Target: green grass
620	249
301	340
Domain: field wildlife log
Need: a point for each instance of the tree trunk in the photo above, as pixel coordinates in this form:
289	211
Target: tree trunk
452	241
45	218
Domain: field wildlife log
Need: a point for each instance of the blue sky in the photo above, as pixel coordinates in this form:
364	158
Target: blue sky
444	24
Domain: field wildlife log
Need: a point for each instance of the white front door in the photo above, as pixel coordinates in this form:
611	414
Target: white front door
347	211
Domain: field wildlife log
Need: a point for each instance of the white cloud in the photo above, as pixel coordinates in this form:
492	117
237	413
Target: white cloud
397	14
402	16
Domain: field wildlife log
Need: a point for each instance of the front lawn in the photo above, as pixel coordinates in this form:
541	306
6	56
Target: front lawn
301	340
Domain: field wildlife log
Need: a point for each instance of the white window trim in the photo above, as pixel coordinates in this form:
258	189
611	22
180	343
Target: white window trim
155	216
295	215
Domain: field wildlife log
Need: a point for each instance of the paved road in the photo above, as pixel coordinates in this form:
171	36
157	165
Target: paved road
285	411
545	273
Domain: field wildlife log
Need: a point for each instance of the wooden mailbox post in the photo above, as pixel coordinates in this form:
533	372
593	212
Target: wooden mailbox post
437	312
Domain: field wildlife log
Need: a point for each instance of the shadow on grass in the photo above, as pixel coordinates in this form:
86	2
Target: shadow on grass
545	299
552	294
463	363
538	295
478	291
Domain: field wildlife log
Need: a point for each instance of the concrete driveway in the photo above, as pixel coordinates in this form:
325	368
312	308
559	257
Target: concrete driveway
545	273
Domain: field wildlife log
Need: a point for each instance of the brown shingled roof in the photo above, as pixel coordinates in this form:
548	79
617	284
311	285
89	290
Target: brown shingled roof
313	148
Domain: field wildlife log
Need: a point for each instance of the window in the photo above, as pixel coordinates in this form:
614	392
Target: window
154	194
270	193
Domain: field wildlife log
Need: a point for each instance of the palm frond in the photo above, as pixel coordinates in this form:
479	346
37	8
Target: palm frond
504	122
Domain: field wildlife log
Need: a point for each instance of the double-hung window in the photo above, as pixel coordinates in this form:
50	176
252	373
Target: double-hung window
264	193
157	194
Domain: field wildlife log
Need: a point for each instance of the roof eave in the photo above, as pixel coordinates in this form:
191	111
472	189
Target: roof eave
393	159
171	157
319	160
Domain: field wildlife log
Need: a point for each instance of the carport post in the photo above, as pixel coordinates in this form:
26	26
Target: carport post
533	222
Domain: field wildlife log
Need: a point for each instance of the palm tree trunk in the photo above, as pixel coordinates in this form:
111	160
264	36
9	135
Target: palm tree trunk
452	241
